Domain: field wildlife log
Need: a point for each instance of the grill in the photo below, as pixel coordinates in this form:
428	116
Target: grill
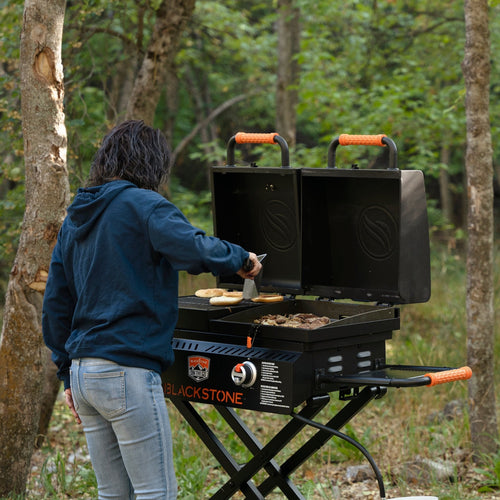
357	242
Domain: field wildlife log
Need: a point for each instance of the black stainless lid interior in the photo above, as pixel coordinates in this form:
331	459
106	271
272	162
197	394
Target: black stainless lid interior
329	232
258	208
365	235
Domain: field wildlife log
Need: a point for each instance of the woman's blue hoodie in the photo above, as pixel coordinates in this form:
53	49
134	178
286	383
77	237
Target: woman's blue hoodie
113	281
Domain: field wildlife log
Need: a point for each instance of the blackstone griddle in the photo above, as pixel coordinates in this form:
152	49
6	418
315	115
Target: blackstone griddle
349	244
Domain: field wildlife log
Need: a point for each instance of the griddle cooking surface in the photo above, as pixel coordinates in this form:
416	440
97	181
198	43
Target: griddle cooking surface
195	312
203	304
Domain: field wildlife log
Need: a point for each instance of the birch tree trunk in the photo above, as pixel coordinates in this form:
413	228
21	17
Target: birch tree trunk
479	168
171	18
47	195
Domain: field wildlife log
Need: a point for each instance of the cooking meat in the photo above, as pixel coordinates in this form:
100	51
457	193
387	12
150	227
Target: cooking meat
307	321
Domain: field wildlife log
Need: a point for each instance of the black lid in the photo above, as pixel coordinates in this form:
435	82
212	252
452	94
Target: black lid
365	235
338	233
258	208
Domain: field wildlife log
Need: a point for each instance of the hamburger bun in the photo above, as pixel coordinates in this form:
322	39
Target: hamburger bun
209	292
222	300
233	294
270	297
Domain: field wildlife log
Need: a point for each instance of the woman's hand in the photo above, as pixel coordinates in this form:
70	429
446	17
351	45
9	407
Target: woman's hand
257	266
71	405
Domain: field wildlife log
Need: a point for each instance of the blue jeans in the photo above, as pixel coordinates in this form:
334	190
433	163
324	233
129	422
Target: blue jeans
125	419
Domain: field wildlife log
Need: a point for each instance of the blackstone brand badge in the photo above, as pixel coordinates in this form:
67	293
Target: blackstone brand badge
198	368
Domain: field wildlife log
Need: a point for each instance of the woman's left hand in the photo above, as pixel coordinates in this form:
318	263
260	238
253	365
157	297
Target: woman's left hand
71	405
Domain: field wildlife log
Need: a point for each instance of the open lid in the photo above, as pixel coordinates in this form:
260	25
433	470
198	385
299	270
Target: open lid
337	233
365	235
258	208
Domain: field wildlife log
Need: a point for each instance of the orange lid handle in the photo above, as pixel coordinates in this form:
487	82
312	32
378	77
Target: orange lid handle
249	138
361	140
463	373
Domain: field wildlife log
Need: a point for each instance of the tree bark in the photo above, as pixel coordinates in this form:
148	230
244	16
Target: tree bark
47	195
479	168
122	84
288	70
50	390
172	98
171	18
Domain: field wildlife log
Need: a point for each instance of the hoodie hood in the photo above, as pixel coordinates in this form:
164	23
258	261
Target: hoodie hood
90	203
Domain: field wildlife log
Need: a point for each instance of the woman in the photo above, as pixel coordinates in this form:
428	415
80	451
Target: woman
110	308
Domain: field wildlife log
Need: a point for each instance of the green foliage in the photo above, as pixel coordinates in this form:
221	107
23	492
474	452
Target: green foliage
11	216
11	144
195	206
491	471
391	67
61	479
378	82
192	476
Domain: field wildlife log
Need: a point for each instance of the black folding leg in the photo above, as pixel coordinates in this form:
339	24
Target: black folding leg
341	418
254	445
263	456
215	446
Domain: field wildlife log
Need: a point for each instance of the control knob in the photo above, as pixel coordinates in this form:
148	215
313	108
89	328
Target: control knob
244	374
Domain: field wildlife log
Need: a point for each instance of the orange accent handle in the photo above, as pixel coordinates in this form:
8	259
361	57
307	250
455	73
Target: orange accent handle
249	138
249	342
361	140
463	373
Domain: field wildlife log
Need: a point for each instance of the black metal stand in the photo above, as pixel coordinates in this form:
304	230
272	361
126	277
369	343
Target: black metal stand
263	455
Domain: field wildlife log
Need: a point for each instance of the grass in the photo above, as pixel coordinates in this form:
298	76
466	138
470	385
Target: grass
403	425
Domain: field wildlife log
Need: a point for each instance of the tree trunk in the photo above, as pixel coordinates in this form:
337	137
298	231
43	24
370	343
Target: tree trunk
47	195
288	70
122	84
172	98
479	168
171	18
50	390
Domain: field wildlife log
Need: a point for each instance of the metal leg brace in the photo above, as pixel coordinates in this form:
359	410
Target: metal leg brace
263	455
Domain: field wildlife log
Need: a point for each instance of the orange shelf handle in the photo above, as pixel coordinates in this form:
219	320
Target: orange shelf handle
443	377
361	140
251	138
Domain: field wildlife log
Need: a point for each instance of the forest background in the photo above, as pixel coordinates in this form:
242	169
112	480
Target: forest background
390	67
365	67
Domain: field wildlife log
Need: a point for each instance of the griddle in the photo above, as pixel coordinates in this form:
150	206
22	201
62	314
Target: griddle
349	244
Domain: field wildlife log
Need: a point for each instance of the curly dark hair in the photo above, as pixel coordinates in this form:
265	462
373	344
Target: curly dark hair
134	152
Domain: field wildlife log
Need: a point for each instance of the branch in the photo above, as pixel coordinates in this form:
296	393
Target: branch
217	111
108	31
